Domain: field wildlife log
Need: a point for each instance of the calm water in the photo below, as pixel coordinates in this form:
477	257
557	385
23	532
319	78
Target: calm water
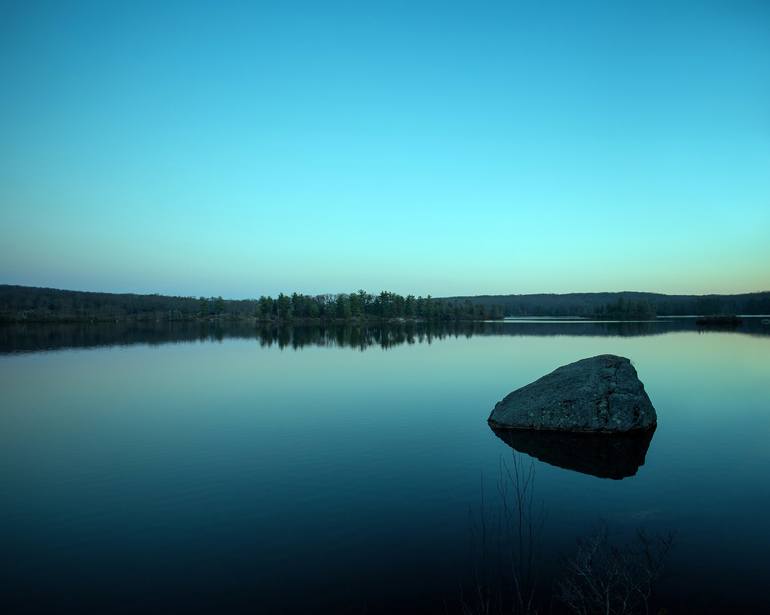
309	470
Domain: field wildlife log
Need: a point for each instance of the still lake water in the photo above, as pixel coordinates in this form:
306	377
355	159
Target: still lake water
309	470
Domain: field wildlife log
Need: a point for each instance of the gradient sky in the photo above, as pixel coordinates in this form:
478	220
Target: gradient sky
242	148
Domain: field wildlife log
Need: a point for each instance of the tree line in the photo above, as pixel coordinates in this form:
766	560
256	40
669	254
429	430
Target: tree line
626	304
626	309
30	304
362	305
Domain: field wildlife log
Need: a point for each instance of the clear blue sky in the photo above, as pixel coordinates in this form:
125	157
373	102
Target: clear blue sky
242	148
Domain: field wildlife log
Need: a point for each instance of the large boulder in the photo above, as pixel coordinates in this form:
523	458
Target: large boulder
601	394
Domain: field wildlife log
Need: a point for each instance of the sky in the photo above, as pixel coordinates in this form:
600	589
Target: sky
444	148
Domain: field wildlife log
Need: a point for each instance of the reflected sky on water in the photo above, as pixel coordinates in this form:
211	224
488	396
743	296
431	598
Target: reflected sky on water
283	469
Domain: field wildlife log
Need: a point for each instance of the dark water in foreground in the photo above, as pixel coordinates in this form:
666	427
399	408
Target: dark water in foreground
184	469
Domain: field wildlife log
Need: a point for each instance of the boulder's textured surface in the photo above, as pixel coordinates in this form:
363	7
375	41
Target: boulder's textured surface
601	394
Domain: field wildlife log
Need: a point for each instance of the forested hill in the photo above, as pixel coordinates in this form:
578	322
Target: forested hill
30	304
620	303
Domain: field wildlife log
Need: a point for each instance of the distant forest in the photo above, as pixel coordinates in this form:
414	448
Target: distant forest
30	304
621	305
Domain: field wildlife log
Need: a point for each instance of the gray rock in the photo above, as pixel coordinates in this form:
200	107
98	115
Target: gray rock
601	394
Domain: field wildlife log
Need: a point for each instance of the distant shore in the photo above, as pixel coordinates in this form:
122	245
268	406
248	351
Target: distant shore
26	304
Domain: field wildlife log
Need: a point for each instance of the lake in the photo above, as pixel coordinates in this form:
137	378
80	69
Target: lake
191	468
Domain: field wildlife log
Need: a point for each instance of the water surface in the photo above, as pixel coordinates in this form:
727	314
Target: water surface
156	468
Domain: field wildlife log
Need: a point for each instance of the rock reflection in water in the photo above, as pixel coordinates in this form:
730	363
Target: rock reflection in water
615	456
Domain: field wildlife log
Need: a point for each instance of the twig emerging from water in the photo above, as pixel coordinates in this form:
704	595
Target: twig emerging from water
606	578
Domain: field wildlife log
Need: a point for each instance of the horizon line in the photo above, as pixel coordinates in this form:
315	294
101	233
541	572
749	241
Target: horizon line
510	294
